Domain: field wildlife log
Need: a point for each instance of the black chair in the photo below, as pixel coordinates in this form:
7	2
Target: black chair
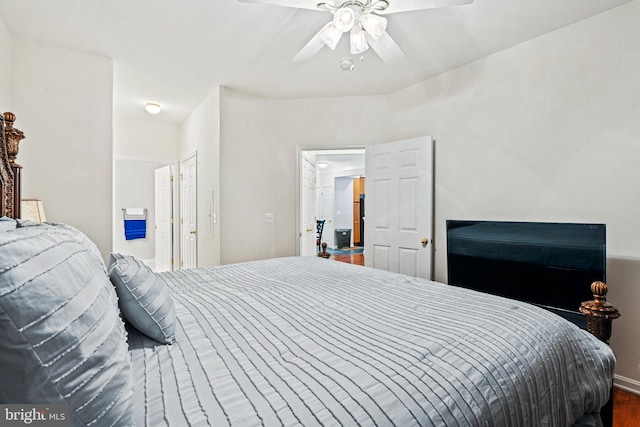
319	228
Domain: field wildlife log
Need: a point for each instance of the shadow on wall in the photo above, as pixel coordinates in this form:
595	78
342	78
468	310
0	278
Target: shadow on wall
623	278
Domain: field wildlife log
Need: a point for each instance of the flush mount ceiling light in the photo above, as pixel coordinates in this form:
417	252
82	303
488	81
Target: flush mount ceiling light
322	164
361	18
152	107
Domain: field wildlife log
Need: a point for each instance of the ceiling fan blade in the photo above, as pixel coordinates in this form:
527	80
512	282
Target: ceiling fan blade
397	6
387	49
298	4
312	47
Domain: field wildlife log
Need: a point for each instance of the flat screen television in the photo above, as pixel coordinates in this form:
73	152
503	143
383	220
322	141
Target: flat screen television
548	264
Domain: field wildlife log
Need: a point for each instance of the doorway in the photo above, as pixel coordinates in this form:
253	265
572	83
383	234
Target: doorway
399	213
134	187
326	200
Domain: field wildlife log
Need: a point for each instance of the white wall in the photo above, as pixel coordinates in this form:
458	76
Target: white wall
145	139
546	131
200	133
62	101
6	40
259	138
140	147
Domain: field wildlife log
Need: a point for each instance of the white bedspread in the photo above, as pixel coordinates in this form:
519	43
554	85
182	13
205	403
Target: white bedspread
308	341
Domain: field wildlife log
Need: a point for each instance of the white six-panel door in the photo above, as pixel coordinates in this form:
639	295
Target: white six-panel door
399	206
164	218
188	231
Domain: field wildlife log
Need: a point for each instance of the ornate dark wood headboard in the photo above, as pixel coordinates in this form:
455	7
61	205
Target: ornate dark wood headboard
10	171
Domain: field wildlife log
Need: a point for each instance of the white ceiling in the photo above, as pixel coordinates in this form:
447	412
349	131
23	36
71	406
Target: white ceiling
339	158
176	52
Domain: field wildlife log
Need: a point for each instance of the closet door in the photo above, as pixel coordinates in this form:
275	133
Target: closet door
188	204
163	218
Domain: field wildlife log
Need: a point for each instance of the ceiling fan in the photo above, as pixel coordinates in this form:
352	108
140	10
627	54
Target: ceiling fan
362	19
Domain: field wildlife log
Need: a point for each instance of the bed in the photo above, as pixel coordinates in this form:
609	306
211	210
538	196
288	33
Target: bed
293	341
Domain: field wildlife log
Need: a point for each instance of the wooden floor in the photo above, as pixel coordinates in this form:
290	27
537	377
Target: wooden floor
626	409
350	259
626	406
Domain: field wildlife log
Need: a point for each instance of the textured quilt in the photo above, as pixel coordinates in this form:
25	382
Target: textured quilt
305	341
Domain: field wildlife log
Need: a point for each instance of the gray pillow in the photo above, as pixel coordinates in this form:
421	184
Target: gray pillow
7	223
77	234
63	341
143	297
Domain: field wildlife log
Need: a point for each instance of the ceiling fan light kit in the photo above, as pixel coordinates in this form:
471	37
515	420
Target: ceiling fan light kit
361	18
330	35
358	40
374	25
356	17
344	19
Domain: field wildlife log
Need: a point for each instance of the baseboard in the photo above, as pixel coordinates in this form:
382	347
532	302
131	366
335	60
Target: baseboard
626	384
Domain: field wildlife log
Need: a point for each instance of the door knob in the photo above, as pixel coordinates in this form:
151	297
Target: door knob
424	241
309	230
193	232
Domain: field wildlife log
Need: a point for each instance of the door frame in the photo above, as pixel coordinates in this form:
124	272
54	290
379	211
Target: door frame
299	153
308	207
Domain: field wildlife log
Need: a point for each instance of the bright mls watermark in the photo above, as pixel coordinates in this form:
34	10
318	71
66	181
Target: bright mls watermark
34	415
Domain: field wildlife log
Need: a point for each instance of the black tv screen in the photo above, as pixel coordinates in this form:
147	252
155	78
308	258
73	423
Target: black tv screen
549	264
